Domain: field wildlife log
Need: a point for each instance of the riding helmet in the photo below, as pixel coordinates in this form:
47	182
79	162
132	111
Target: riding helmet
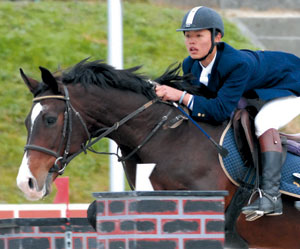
202	17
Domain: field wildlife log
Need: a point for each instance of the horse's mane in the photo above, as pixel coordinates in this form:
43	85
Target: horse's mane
100	74
103	75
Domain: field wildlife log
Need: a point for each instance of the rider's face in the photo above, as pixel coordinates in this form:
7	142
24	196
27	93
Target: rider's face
197	42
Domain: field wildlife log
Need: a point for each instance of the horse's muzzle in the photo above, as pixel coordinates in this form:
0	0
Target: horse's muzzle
29	188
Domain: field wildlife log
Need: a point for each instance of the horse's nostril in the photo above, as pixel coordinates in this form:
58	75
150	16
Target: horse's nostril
30	183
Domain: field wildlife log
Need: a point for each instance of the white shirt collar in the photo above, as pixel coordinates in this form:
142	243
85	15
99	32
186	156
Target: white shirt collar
206	71
210	65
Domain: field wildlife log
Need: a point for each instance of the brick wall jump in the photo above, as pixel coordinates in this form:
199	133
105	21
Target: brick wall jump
47	233
160	219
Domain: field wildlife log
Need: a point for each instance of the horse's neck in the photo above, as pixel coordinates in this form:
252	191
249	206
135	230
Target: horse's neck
105	108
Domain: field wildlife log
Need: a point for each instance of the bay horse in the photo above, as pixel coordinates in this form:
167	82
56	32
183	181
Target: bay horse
92	100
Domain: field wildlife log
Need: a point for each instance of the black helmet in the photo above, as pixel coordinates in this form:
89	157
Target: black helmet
202	18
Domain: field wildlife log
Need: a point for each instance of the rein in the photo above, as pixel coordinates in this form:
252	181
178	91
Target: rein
67	131
106	131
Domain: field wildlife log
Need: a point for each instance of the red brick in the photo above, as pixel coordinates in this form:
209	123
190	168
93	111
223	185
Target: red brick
181	226
203	207
138	226
116	244
77	242
92	242
52	229
153	243
41	242
107	227
214	226
210	243
117	207
101	206
156	207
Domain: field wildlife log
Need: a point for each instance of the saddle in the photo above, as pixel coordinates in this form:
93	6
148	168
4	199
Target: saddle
247	143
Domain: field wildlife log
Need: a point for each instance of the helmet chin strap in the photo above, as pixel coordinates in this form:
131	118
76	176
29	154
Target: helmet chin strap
213	44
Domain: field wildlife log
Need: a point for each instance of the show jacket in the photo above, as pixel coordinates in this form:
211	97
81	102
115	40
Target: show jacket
235	72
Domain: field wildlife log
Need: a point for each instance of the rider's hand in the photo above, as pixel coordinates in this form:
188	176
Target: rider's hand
168	93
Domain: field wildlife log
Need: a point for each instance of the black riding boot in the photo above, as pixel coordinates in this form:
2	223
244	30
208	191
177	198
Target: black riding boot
269	201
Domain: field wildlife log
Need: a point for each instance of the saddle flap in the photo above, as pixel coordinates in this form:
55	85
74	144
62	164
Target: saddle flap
244	134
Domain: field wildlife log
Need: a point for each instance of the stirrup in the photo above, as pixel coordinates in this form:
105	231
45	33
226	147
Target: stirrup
260	195
254	215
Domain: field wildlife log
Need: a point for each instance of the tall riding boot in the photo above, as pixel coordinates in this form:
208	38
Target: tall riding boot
269	201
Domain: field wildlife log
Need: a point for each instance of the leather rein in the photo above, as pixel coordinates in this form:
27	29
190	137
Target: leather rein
65	158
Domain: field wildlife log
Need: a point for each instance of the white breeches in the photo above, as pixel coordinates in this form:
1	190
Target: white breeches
276	114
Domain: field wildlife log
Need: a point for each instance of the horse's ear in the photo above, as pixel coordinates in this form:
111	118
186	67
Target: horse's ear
49	79
31	83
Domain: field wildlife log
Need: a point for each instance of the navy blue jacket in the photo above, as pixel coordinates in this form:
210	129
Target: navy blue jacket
235	72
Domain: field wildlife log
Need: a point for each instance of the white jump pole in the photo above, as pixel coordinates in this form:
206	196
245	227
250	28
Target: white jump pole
115	59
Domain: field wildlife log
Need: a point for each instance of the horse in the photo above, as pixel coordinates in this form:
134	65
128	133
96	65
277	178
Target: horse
76	108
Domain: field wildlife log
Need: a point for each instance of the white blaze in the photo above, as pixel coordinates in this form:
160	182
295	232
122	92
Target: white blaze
24	172
37	109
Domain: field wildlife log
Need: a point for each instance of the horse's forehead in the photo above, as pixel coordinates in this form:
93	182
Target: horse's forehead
36	111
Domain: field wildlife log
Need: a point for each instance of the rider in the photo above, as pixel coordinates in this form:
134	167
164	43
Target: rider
273	77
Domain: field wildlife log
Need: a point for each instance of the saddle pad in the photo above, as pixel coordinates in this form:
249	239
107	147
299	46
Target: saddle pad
235	170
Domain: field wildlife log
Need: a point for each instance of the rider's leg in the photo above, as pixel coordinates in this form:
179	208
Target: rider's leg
271	154
276	114
271	117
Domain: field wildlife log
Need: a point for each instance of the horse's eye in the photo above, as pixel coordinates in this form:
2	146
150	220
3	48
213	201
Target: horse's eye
50	120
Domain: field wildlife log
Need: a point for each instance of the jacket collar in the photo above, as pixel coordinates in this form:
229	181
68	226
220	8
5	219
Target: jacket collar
214	83
214	79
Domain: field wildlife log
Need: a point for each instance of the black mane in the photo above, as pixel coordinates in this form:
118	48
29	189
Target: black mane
103	75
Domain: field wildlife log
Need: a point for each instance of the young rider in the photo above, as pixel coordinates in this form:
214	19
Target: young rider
273	77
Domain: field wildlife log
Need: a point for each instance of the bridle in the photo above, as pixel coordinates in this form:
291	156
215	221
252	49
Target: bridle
65	158
66	133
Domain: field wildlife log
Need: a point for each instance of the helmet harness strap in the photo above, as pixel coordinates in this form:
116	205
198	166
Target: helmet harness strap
213	44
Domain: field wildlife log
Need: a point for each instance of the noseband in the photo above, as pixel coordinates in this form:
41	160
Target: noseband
67	131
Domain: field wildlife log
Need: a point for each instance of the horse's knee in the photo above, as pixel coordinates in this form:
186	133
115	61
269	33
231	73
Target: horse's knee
92	214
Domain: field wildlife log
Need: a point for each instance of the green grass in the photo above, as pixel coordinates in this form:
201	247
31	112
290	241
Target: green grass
58	35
